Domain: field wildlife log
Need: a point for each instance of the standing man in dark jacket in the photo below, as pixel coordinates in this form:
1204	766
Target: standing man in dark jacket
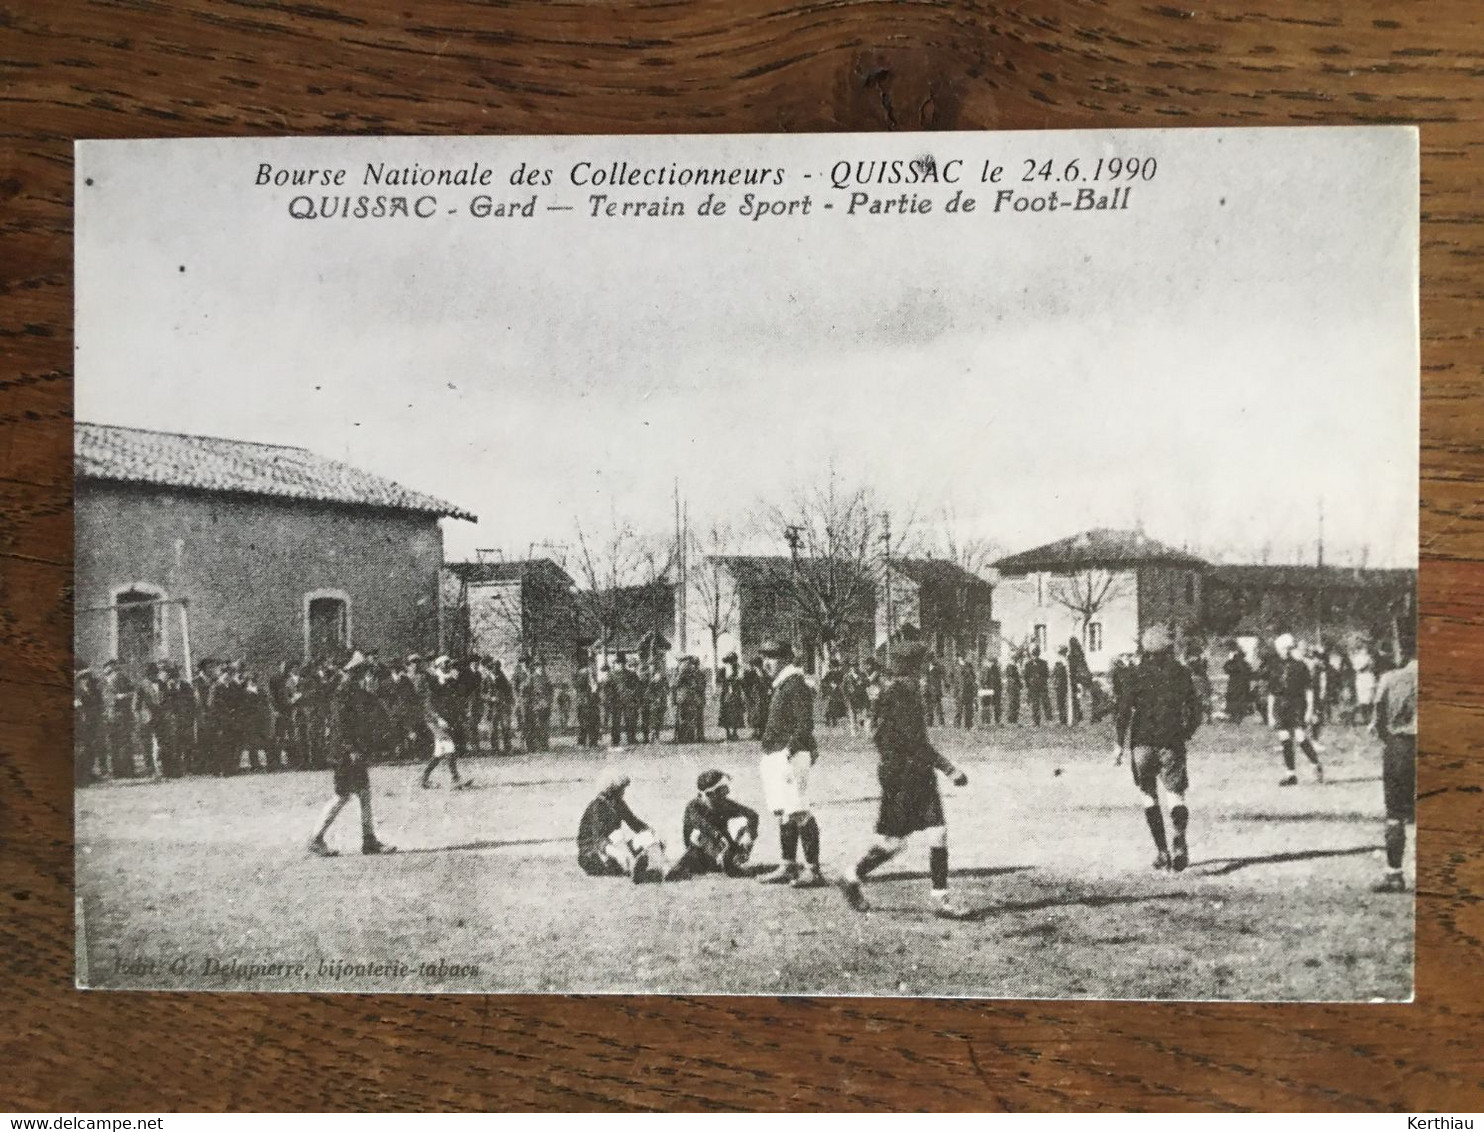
789	753
1012	691
1038	687
358	729
1238	685
1161	713
992	684
455	692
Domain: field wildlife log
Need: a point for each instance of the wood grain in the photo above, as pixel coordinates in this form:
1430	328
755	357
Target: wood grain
146	68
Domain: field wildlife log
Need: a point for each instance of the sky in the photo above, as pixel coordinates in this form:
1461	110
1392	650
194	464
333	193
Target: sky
1216	362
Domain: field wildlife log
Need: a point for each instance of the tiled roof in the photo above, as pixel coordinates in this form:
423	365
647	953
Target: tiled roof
938	572
1101	547
1314	577
208	463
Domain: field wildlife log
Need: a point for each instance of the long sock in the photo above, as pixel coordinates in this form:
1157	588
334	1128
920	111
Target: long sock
809	835
1288	753
1179	816
368	830
453	766
1396	844
788	840
938	867
431	766
874	858
1156	822
1309	752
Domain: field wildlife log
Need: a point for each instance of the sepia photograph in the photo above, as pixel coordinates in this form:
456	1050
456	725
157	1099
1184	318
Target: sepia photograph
972	565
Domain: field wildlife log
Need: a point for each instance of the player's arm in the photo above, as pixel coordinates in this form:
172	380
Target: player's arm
943	763
629	818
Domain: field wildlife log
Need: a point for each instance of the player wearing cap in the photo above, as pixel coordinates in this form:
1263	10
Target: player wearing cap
907	769
719	831
789	753
1159	715
1291	707
358	727
613	841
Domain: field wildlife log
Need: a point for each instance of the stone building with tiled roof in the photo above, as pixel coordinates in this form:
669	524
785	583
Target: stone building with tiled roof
208	547
1103	587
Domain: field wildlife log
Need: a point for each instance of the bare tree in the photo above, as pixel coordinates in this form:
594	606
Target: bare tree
840	539
715	593
975	554
1088	592
609	565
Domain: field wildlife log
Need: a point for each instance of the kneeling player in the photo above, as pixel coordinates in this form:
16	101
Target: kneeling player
1161	713
358	727
909	788
719	831
613	841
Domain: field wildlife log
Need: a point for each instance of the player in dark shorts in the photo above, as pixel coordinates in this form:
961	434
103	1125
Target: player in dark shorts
907	769
719	831
1396	726
1159	715
1291	707
359	727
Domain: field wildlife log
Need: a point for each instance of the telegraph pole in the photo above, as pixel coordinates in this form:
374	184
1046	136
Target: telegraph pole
793	535
886	546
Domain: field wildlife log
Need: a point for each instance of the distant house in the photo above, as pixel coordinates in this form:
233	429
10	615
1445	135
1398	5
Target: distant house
629	619
1333	604
736	602
196	546
952	607
507	610
1103	587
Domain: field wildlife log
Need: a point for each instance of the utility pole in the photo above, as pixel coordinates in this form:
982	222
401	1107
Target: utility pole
793	535
886	573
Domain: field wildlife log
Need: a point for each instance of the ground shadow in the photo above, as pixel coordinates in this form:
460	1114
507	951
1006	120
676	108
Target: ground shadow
487	845
919	911
982	871
1227	865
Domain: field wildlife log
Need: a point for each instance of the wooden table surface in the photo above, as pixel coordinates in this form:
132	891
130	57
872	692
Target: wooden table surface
123	68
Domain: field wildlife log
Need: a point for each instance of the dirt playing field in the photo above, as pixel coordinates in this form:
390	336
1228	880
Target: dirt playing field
205	883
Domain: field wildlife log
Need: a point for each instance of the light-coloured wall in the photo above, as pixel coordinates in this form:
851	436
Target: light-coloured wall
1018	611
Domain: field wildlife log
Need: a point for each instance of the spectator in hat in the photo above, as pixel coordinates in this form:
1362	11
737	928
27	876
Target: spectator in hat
719	831
732	716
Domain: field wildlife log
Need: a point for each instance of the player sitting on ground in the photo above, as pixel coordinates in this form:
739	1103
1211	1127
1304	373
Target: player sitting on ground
909	788
719	831
613	841
1161	713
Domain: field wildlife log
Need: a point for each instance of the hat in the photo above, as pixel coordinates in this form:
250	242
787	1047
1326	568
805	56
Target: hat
730	658
1156	638
356	663
709	780
779	650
